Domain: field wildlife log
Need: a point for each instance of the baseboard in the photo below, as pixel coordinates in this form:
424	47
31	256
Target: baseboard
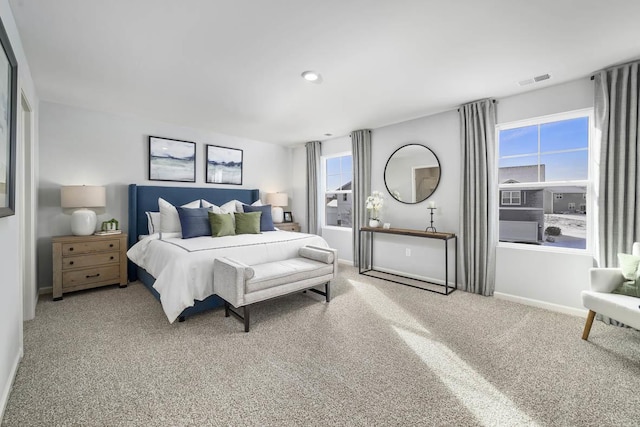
4	399
345	262
542	304
415	276
45	291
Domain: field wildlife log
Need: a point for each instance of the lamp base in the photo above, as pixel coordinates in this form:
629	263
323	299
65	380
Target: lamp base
83	222
277	214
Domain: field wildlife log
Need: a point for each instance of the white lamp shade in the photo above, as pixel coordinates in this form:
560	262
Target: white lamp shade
277	199
83	196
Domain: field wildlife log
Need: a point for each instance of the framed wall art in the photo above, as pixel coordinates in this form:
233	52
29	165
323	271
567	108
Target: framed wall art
172	160
224	165
8	115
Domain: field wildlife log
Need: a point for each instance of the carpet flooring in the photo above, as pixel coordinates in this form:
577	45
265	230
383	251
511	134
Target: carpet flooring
379	354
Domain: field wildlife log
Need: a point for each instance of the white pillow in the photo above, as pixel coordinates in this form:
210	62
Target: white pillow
169	219
153	222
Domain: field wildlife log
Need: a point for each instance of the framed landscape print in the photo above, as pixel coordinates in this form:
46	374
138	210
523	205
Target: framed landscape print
8	114
224	165
172	160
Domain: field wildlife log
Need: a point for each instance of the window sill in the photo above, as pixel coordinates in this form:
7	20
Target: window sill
336	228
541	248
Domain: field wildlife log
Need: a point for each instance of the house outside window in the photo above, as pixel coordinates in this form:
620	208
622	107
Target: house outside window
337	202
546	159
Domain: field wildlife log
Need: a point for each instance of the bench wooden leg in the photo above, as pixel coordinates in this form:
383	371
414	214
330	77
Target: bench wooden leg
226	309
327	291
587	326
246	318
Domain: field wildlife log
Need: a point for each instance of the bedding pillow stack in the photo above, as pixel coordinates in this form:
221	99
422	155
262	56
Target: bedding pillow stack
630	265
221	224
266	220
153	222
194	222
169	218
248	223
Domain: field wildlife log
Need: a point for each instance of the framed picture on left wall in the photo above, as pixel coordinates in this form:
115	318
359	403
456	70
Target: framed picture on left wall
171	160
8	115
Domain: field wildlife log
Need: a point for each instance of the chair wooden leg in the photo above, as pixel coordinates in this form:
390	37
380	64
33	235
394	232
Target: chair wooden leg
587	326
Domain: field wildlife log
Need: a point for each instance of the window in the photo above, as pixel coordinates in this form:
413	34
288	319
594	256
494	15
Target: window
337	173
543	170
511	197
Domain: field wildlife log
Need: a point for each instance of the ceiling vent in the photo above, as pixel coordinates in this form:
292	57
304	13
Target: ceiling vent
535	79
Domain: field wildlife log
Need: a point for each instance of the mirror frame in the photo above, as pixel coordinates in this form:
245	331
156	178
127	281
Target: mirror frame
384	176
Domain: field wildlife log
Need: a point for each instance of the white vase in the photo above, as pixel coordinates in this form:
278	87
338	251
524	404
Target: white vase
374	223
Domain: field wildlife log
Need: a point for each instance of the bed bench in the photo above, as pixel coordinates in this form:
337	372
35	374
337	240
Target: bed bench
241	285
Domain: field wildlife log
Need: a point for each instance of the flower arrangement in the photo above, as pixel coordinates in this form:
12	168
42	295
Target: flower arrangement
374	203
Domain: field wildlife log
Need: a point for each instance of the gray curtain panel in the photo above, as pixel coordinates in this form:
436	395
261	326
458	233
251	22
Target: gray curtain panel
616	119
478	219
313	177
361	189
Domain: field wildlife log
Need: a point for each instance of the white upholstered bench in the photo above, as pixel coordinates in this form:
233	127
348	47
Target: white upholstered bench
241	285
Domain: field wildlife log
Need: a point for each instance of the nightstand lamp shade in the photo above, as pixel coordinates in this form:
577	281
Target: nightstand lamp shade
277	200
83	220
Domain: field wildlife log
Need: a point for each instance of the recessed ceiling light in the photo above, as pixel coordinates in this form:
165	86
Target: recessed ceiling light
311	76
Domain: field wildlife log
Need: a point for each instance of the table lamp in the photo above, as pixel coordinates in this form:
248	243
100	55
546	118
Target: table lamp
83	220
277	201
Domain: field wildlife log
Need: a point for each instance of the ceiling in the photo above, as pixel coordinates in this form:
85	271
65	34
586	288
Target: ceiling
233	66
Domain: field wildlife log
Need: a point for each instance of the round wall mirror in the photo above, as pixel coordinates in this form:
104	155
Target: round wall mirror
412	173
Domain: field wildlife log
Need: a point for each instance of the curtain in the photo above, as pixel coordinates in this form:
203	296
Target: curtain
478	207
313	176
360	189
616	120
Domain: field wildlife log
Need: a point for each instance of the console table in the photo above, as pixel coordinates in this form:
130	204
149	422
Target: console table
445	237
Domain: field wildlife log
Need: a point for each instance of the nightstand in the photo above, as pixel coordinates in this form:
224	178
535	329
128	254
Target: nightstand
84	262
287	226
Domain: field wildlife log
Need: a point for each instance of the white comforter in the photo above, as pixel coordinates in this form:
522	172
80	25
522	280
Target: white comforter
183	268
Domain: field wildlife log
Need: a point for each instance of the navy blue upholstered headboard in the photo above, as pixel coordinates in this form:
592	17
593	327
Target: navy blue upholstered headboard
143	198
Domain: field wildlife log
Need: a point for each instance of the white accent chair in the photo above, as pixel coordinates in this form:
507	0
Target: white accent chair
599	299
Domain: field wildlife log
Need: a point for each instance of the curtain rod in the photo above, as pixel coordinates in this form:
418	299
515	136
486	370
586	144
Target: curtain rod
493	100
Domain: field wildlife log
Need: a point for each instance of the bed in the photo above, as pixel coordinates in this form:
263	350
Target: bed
179	272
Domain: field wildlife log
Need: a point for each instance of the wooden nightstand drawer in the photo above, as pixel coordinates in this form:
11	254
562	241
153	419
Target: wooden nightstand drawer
287	226
110	273
80	261
89	247
84	262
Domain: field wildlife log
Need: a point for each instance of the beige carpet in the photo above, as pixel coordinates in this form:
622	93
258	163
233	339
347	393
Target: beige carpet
378	354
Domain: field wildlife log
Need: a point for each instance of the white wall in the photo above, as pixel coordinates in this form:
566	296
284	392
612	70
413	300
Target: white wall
10	241
87	147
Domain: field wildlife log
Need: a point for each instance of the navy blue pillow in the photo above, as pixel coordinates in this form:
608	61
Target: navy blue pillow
266	221
194	222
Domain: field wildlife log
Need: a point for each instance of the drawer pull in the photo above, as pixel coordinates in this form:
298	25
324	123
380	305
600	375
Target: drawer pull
111	245
70	262
93	275
111	258
71	249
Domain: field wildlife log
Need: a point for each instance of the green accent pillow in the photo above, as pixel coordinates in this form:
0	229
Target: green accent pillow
248	222
221	224
630	288
631	272
629	265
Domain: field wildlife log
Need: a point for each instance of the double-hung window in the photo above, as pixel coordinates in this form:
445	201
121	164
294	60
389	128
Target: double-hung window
337	176
543	176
